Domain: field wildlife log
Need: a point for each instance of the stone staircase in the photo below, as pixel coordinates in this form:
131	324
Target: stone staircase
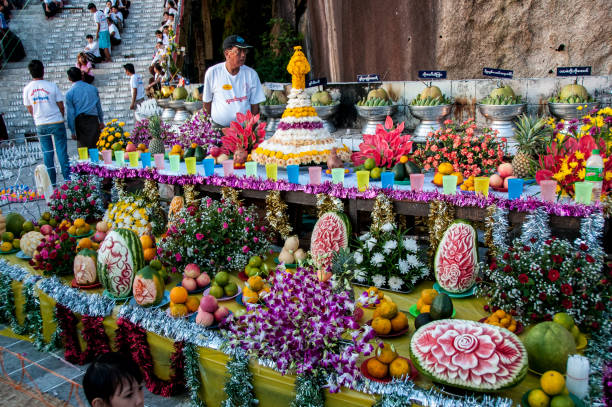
57	41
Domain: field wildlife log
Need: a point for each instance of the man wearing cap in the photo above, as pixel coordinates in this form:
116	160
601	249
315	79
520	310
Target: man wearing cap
231	87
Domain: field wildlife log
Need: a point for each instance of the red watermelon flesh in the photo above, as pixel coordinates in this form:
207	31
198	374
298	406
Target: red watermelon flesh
329	235
457	258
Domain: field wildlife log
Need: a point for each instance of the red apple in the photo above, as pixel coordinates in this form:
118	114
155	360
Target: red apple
505	170
215	152
506	181
192	270
46	229
495	181
221	313
189	284
130	148
203	280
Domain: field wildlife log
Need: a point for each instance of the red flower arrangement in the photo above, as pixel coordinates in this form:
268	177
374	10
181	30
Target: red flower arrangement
78	198
55	254
386	147
459	144
243	136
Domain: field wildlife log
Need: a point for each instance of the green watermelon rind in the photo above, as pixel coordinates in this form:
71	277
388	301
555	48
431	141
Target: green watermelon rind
517	379
132	241
149	272
474	251
347	229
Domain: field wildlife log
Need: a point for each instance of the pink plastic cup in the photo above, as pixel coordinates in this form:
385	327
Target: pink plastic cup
416	182
107	156
228	167
548	189
159	161
315	175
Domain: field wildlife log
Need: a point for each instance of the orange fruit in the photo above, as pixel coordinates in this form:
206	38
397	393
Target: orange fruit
403	159
381	325
255	283
428	296
552	382
146	241
150	253
438	179
72	230
377	369
425	308
386	354
142	147
445	168
399	368
399	323
178	295
192	303
420	304
459	177
85	243
80	222
178	310
249	295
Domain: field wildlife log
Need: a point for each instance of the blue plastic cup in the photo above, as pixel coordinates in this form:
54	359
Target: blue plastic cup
209	166
146	159
515	188
293	172
94	155
387	179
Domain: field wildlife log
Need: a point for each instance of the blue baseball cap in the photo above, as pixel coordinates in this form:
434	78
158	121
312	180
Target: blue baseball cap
235	41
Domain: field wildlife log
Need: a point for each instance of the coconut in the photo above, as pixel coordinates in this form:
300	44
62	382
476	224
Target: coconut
431	92
378	93
292	243
503	91
299	255
286	257
322	97
280	96
573	90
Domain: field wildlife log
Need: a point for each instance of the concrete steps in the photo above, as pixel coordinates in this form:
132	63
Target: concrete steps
56	42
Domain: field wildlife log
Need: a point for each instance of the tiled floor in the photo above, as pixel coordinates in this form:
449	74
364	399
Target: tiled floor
51	384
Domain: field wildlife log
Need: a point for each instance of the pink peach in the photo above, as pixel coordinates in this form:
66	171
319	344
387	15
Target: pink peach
505	170
221	313
205	318
189	284
496	181
192	270
506	181
203	280
208	303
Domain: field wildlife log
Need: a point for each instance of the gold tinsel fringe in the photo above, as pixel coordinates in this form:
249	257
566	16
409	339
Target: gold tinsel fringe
120	186
276	214
150	191
230	194
191	196
441	215
606	203
382	212
489	224
326	203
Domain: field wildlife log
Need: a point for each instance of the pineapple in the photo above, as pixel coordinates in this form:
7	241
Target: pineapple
530	134
156	146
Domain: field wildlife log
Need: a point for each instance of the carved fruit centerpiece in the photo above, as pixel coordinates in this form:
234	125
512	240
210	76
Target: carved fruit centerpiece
457	258
330	234
119	258
85	267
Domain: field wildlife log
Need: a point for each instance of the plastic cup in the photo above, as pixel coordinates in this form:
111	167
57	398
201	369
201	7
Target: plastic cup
583	191
515	188
250	168
175	161
315	175
82	153
449	184
293	173
94	155
548	189
190	163
337	175
272	172
416	182
159	161
133	157
120	158
146	159
107	156
481	186
228	167
209	166
363	180
387	179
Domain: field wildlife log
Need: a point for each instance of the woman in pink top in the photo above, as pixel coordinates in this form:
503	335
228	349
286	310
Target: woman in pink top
85	66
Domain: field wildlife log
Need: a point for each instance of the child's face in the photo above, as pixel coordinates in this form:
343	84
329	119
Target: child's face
90	40
130	394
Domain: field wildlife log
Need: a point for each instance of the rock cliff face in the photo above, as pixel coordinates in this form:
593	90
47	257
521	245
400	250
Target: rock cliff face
531	37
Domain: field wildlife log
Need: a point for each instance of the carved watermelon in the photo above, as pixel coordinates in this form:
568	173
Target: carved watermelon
469	355
85	263
148	288
119	257
456	261
330	234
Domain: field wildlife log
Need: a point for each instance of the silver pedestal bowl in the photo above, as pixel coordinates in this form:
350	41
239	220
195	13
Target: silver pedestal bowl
431	119
501	117
374	115
325	113
569	111
193	107
273	113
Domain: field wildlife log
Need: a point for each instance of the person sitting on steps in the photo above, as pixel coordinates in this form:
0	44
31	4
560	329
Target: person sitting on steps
52	7
117	18
86	68
102	34
115	37
91	50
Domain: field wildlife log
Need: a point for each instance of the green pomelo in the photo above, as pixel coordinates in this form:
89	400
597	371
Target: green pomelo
548	346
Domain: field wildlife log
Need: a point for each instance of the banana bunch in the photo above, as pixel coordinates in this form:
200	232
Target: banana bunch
437	101
501	100
571	99
272	101
374	102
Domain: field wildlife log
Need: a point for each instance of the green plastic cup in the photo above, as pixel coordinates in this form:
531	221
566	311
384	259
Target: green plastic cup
449	184
190	163
175	161
251	168
583	190
120	158
83	154
363	180
337	175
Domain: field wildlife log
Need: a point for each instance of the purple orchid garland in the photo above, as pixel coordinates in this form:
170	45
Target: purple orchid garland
339	191
301	329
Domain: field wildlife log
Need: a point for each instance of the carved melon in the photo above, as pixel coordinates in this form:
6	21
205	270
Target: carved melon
2	223
456	261
30	241
119	257
85	265
148	288
330	234
176	205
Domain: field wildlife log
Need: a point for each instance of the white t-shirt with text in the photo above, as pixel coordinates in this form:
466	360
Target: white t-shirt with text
136	83
43	96
100	18
231	94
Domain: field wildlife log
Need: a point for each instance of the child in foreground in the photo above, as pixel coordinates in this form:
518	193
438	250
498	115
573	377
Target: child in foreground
114	380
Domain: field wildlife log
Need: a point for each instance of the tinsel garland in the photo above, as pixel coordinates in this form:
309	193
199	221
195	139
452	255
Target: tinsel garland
192	374
308	391
382	213
231	195
441	215
327	203
119	189
95	337
191	195
76	300
592	229
131	340
239	385
536	228
496	229
599	352
157	217
276	214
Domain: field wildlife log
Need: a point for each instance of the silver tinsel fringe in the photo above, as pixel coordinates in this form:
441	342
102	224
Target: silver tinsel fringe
599	352
85	304
16	272
591	229
500	231
536	227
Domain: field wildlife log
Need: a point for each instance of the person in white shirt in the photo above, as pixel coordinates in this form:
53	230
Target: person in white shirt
160	52
107	9
45	102
117	18
170	22
115	37
91	50
102	33
172	8
231	87
137	90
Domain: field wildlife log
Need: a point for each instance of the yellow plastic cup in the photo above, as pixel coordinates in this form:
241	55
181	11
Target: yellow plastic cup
363	180
83	154
190	163
133	156
481	186
272	171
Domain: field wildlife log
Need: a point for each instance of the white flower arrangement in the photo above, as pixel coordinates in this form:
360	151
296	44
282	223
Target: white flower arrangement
388	227
410	244
389	246
377	259
379	280
358	257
